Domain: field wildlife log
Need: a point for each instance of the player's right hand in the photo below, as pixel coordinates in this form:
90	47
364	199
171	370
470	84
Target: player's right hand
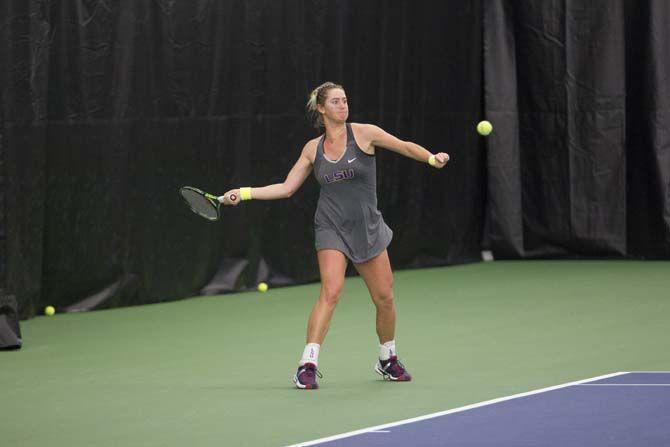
231	197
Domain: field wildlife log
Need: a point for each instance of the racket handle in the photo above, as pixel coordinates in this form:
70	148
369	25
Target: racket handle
232	197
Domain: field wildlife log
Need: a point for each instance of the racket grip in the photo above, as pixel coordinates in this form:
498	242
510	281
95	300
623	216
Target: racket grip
232	197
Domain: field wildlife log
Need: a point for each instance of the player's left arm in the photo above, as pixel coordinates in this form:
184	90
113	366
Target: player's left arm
380	138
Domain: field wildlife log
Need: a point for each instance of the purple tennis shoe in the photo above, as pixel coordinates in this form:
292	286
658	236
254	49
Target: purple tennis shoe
392	370
305	377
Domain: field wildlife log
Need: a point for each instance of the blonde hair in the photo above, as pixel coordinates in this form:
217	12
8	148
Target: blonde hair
318	96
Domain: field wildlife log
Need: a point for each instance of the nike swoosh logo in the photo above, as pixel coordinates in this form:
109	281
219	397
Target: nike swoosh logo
352	159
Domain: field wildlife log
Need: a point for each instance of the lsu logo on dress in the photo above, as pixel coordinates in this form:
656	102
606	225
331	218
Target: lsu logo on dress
338	176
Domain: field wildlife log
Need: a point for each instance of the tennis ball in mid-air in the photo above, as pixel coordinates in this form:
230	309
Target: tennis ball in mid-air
484	128
49	310
262	287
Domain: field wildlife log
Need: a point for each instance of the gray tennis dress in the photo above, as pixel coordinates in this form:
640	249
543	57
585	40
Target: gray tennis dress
347	218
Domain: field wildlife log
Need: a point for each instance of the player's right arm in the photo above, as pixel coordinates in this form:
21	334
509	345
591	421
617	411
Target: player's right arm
294	180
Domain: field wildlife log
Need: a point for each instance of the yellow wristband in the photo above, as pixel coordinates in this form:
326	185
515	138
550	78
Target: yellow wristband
431	161
245	193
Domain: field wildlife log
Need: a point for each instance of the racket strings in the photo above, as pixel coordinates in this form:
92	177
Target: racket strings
200	204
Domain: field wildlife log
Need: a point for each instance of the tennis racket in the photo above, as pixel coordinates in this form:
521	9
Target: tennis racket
202	203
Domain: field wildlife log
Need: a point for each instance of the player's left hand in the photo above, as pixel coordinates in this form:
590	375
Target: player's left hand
441	159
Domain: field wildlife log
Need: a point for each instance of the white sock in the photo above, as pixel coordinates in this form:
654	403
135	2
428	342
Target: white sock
387	350
311	354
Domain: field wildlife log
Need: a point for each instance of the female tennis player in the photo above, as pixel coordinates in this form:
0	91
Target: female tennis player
347	224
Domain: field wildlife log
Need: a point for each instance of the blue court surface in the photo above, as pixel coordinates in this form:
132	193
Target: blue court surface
621	409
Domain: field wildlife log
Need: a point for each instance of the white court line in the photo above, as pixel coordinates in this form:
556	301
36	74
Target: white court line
624	384
454	410
379	431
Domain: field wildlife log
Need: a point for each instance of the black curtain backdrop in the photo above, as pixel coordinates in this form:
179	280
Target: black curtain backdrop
648	128
108	107
579	161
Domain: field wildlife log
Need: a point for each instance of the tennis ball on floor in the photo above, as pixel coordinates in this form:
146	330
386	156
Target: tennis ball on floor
262	287
484	128
49	311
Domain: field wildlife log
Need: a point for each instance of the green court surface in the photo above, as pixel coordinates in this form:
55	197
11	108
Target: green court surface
216	371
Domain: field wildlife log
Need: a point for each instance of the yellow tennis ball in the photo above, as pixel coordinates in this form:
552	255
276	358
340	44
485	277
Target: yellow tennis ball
262	287
49	311
484	128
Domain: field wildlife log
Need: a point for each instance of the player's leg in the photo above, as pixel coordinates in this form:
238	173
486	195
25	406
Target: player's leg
378	277
332	267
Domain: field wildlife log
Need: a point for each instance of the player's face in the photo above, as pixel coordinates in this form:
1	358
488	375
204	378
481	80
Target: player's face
336	107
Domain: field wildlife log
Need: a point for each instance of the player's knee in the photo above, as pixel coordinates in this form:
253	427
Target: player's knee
384	297
330	294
